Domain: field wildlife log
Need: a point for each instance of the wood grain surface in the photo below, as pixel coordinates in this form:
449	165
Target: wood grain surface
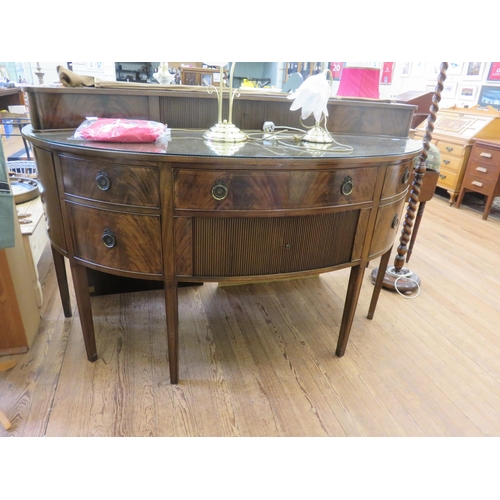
259	359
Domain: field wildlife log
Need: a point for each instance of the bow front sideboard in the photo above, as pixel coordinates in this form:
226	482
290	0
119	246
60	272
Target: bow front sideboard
195	211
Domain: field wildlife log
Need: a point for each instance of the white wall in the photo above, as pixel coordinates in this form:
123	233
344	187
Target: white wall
423	76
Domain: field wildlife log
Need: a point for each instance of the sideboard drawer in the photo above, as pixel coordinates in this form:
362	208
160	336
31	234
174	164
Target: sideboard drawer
258	190
396	179
111	182
124	242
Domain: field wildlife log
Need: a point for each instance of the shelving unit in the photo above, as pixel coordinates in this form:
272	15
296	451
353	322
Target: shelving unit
133	71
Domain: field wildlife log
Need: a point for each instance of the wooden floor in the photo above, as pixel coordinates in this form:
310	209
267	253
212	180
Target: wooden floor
259	360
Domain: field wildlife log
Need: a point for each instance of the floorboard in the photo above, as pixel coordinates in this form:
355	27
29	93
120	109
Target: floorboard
259	359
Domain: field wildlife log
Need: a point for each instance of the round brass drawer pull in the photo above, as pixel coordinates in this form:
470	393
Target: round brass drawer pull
219	190
108	238
103	180
347	186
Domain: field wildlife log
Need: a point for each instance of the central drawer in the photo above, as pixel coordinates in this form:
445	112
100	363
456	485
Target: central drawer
260	190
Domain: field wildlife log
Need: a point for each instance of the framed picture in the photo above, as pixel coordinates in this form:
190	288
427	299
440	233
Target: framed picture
489	96
418	69
455	68
467	92
449	90
336	69
494	73
386	76
405	69
474	70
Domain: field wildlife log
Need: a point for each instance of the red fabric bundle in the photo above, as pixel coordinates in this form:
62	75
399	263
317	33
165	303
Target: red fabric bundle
120	130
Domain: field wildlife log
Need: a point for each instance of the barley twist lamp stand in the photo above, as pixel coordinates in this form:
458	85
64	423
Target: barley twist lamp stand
398	277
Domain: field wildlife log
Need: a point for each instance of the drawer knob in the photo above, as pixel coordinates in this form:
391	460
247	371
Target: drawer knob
219	190
449	149
442	176
446	162
395	222
485	155
108	238
406	175
347	186
103	180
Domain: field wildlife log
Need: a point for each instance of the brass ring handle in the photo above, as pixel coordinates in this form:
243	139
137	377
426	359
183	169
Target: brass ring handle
108	238
103	181
347	186
219	190
406	175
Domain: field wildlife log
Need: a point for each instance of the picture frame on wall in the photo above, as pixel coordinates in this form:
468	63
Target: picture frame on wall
405	69
449	90
417	69
386	76
467	92
455	68
489	96
473	71
494	72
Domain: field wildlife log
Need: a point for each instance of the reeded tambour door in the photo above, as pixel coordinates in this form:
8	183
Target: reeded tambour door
227	247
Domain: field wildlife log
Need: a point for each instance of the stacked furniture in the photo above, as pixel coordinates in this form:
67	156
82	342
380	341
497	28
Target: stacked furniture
454	132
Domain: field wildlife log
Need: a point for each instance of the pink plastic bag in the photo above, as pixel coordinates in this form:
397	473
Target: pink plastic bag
120	130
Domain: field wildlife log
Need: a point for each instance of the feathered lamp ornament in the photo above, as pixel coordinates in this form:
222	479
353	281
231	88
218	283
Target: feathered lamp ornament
312	96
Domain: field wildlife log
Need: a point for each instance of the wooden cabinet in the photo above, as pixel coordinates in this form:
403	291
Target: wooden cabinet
194	211
483	173
454	132
199	76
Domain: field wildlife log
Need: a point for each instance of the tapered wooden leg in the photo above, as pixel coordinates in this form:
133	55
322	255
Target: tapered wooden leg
81	285
384	260
172	309
353	289
62	282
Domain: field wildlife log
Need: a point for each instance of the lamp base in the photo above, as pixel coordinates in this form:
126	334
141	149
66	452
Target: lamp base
318	135
403	281
225	132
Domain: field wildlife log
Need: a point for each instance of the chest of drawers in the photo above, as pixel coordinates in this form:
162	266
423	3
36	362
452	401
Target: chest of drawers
483	173
454	133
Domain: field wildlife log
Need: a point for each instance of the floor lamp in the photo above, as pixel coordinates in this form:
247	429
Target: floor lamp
398	277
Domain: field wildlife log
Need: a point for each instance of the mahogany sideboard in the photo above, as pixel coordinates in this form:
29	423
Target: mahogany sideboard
195	211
